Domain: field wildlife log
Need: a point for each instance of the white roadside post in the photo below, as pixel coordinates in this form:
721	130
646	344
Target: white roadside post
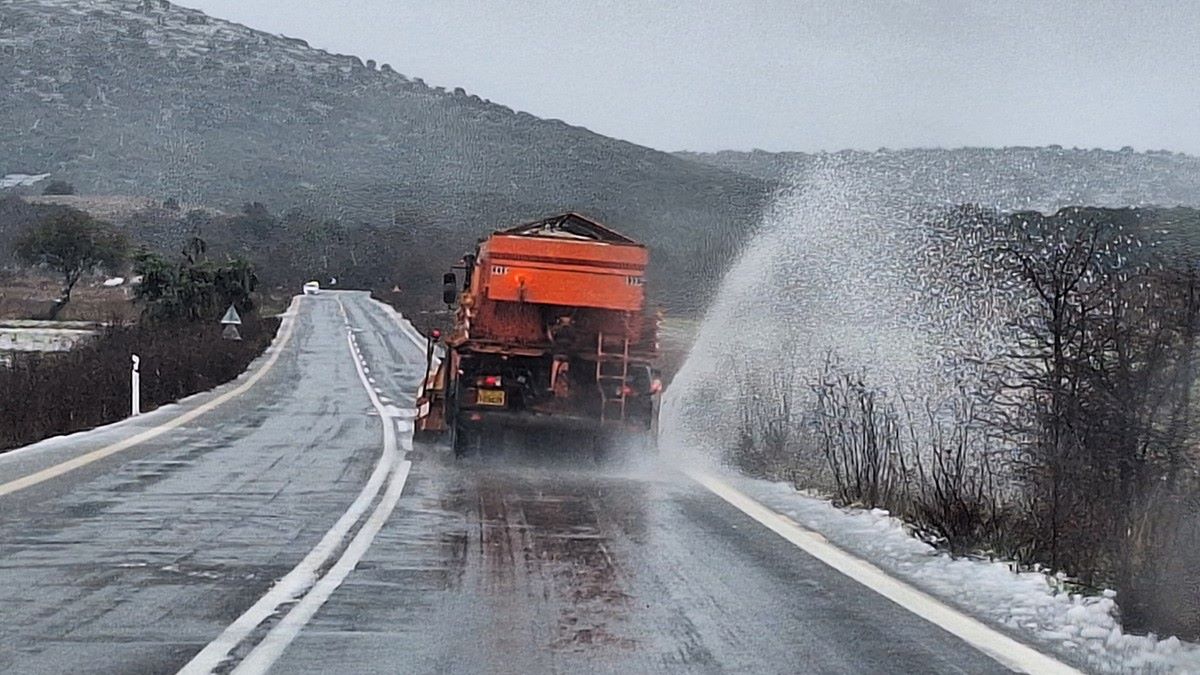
135	390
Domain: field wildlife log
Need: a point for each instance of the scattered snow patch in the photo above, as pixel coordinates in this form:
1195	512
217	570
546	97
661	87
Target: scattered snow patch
22	179
1033	606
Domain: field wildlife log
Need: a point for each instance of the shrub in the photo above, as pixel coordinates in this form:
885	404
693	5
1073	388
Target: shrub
43	395
58	187
1075	451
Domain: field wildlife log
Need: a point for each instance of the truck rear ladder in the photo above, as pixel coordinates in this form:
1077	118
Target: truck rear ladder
612	367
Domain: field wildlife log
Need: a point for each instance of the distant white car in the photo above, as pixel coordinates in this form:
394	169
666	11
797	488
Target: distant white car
312	288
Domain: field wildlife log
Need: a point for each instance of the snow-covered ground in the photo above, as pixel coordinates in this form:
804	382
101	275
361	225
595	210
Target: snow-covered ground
175	32
44	336
1033	607
21	179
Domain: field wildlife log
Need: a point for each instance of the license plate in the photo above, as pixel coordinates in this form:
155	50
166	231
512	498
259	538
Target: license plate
490	397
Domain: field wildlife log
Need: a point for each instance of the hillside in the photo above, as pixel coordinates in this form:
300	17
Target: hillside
151	99
1044	178
144	100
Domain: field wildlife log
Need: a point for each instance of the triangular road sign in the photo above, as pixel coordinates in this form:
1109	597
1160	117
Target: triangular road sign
231	317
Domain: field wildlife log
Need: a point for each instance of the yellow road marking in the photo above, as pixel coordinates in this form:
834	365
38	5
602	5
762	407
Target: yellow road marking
154	432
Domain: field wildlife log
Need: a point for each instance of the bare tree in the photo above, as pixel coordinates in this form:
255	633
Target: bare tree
1099	382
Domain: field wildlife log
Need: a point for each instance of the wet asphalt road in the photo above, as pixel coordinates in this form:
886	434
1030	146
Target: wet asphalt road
528	562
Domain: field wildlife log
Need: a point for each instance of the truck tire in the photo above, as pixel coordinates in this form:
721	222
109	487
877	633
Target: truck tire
460	436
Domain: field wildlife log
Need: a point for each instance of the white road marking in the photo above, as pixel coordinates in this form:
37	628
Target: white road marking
1004	649
315	591
266	653
175	422
406	326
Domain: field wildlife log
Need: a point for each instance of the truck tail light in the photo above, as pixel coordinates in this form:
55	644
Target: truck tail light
488	381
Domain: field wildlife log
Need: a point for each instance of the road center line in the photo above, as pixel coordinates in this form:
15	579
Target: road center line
266	653
303	579
1004	649
154	432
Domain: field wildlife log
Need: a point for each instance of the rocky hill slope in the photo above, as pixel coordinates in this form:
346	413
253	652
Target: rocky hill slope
143	98
1015	178
149	98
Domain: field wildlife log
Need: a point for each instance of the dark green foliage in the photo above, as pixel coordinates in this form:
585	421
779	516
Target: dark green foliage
194	288
299	246
256	220
72	243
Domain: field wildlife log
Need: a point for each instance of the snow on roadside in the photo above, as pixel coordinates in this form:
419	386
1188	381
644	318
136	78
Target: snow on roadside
21	179
1030	605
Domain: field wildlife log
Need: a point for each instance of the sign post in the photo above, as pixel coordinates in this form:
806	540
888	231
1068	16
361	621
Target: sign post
135	390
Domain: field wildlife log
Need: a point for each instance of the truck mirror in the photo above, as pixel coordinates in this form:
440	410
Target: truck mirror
449	289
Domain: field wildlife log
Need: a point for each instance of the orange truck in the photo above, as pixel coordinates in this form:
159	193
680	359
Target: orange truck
551	337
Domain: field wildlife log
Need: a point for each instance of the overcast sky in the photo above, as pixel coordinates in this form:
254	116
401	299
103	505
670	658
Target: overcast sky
792	74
